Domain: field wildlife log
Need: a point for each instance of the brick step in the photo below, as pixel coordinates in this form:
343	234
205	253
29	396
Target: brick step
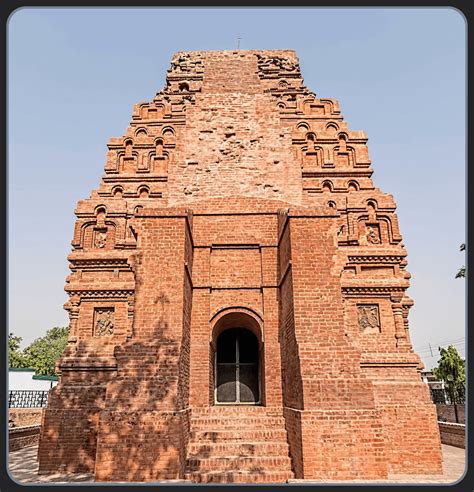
241	463
243	422
238	410
240	477
231	448
248	435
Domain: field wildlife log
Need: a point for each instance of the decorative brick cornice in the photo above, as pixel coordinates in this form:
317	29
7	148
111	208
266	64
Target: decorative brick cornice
102	294
366	290
134	179
337	174
99	263
376	258
391	364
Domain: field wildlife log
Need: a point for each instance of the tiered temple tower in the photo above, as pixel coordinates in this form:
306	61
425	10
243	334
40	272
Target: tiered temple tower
237	296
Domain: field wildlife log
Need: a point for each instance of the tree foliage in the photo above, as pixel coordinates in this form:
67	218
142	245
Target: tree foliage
451	370
462	271
43	353
16	358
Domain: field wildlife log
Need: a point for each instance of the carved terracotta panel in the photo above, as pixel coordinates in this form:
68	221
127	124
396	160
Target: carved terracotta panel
369	318
373	233
104	322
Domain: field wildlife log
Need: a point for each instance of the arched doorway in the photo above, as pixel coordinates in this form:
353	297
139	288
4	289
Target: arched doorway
237	368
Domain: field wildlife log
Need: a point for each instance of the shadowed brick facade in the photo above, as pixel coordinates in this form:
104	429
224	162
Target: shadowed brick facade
238	211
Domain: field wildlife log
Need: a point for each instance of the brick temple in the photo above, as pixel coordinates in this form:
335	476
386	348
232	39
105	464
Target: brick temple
237	296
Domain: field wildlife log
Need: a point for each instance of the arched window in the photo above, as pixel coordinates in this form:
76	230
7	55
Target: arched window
237	364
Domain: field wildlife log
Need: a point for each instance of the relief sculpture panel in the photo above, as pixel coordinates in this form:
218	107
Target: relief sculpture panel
104	322
369	318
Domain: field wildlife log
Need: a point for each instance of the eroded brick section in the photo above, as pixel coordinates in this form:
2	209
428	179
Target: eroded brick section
234	143
238	199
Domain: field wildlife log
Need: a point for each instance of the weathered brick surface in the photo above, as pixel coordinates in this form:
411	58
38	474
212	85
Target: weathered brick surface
230	444
20	417
237	198
453	434
23	436
447	412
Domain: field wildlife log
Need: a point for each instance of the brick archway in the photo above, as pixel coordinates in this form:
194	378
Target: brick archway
236	316
236	351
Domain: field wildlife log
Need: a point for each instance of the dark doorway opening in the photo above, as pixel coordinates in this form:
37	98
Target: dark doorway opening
237	368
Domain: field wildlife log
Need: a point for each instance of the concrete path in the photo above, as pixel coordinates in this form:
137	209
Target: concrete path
23	468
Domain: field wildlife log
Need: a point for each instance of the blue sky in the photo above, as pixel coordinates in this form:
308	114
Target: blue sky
399	75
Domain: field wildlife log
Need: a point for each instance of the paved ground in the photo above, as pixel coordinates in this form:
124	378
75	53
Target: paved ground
23	468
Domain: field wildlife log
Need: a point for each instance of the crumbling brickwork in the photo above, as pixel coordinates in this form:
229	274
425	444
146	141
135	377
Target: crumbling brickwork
238	204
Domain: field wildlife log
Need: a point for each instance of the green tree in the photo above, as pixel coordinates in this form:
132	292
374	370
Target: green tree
16	358
43	353
451	370
462	271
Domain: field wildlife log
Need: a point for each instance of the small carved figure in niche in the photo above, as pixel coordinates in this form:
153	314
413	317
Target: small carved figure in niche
369	320
104	322
373	235
100	239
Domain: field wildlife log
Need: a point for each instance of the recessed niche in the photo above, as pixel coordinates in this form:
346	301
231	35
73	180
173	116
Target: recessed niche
117	192
143	192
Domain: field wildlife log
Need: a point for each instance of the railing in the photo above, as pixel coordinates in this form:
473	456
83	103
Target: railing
27	398
438	395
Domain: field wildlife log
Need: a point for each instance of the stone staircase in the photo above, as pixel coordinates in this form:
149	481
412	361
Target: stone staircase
238	444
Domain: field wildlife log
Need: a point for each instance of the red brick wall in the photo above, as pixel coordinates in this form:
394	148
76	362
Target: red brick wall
224	155
453	434
70	426
338	412
22	437
237	198
447	412
144	428
291	370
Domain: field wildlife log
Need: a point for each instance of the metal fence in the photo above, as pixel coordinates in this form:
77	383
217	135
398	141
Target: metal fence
438	395
27	398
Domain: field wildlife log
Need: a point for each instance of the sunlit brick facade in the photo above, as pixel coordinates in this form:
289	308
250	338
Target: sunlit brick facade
238	307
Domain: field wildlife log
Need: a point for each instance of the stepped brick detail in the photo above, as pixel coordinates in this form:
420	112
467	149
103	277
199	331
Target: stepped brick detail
237	296
243	444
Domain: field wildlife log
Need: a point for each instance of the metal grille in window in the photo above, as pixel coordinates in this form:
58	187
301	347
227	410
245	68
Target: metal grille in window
27	398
